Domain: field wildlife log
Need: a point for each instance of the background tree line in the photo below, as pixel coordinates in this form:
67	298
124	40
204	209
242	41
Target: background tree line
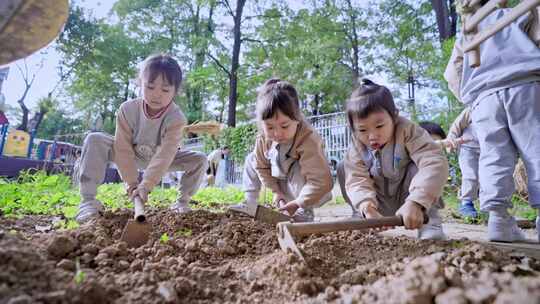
229	47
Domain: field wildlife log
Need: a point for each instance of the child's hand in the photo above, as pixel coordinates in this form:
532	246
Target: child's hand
413	215
278	197
369	209
289	208
130	189
141	192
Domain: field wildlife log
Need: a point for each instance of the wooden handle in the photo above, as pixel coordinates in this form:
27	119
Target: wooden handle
472	22
139	209
302	229
508	18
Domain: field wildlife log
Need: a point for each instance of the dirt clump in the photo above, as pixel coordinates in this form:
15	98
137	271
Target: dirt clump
206	257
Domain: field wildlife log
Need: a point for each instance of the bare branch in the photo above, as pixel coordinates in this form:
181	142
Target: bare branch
228	7
216	61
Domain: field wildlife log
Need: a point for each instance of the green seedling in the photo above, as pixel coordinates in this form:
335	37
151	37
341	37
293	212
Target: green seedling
164	239
79	274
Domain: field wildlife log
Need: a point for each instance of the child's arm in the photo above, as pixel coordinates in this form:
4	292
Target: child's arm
427	185
460	124
263	166
161	161
454	70
314	167
358	182
124	155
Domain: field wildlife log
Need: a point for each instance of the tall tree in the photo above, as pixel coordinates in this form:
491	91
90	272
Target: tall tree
28	77
102	62
184	28
445	12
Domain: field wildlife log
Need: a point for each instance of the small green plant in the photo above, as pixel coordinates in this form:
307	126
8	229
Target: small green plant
185	232
66	224
80	275
164	238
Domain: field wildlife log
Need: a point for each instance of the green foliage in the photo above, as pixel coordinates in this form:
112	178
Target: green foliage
241	140
39	193
185	232
212	196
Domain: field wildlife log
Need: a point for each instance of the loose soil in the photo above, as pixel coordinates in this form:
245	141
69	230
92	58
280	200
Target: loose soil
224	257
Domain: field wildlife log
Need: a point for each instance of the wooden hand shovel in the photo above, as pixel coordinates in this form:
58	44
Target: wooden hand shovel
137	230
287	231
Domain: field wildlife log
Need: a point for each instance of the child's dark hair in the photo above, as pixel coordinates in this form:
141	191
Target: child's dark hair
433	128
369	98
162	64
276	94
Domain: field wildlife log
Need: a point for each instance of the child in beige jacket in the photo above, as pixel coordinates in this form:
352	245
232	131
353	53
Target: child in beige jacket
289	158
148	135
392	167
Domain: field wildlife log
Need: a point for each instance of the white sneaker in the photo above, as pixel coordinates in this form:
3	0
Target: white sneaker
433	230
89	210
502	227
181	207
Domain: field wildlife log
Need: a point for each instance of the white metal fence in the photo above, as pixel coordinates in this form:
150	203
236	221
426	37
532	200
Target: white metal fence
334	130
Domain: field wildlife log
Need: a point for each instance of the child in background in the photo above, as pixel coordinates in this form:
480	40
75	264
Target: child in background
148	135
288	158
504	95
393	166
461	136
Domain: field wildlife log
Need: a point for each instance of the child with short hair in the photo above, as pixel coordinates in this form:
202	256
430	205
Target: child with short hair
393	167
461	136
504	95
288	157
148	135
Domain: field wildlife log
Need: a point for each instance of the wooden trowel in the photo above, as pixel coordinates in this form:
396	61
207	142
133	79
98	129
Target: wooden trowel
137	230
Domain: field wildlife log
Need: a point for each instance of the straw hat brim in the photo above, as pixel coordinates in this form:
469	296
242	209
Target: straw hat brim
28	25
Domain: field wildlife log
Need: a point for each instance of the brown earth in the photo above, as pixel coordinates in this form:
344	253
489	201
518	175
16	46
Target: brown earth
224	257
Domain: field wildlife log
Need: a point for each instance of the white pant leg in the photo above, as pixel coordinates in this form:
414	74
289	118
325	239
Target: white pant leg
468	163
251	182
194	165
97	151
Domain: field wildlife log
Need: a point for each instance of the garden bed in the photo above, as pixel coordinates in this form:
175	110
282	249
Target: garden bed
208	257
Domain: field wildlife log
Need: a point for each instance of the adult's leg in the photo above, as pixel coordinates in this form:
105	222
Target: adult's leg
498	156
523	108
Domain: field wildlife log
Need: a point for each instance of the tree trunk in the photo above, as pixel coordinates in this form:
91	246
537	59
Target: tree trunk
446	18
354	45
235	63
24	122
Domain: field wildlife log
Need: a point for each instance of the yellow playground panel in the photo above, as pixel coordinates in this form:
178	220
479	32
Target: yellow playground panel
17	143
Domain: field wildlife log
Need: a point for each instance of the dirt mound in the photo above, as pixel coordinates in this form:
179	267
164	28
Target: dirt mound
205	257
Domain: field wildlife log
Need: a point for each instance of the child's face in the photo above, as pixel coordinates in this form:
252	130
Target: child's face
375	130
280	128
158	93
